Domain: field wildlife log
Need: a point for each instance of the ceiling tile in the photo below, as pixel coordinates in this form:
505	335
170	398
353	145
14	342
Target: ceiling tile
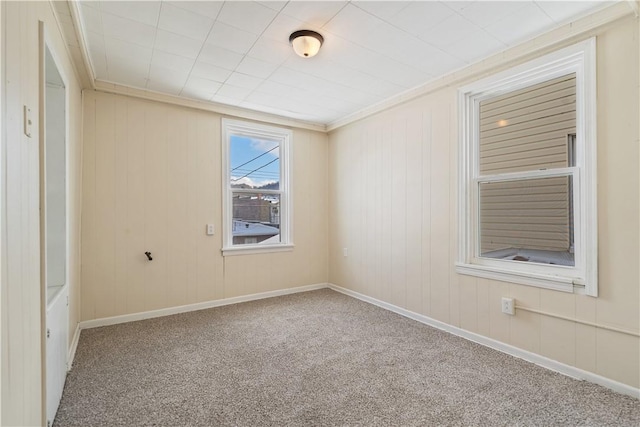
123	76
243	81
177	44
211	72
275	5
91	18
200	88
231	38
146	12
316	13
128	73
226	100
276	89
128	30
271	51
282	27
382	9
398	45
171	61
374	85
296	79
256	67
485	13
399	74
237	93
126	51
449	31
207	8
173	78
353	23
164	87
476	46
520	25
438	62
459	6
258	98
184	22
420	16
563	11
215	55
248	16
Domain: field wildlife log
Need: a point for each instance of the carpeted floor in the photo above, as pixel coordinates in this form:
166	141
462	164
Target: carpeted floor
315	359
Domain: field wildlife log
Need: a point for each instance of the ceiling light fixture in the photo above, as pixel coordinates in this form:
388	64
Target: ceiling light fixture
306	43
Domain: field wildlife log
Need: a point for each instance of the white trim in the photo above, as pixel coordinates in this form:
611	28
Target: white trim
256	249
545	362
546	281
74	346
284	137
578	58
84	53
106	321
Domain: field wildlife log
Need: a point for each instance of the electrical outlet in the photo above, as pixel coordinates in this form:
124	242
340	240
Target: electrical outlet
210	229
345	252
508	306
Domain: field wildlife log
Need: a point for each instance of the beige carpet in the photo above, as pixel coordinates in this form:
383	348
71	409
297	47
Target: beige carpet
315	359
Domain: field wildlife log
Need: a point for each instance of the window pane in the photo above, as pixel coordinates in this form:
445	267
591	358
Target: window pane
255	163
256	218
528	129
528	220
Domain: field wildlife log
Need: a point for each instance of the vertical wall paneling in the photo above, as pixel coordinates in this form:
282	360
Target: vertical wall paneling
22	392
134	169
414	211
426	210
440	215
89	229
121	143
474	303
177	208
398	200
153	183
105	178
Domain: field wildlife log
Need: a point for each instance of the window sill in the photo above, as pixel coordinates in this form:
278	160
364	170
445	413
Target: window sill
256	249
540	280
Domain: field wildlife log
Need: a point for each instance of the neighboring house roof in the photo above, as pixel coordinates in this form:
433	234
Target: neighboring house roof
244	228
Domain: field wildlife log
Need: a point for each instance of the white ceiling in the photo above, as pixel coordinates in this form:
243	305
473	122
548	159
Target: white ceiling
237	53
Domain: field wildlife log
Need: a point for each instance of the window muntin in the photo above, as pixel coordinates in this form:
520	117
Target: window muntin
257	194
529	126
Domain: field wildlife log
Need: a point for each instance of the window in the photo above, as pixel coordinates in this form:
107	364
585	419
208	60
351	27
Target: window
257	198
527	195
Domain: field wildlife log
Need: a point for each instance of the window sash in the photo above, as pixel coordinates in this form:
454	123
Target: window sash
560	270
282	136
578	59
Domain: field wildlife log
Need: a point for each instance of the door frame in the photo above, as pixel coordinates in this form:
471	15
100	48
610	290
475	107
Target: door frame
45	41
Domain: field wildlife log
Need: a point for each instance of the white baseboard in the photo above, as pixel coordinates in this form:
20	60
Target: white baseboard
73	348
106	321
539	360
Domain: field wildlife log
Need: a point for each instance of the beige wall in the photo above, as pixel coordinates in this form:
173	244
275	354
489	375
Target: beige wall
393	193
20	296
152	181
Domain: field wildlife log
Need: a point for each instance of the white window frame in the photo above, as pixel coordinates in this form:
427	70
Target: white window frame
254	130
583	277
